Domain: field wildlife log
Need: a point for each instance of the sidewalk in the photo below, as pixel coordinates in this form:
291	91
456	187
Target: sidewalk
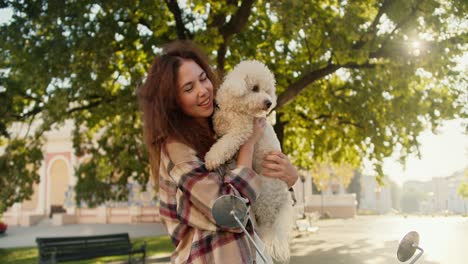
26	236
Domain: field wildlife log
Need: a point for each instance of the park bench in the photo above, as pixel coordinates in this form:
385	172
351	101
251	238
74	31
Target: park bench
62	249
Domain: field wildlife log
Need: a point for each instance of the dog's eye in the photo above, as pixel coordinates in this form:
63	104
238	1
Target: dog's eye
255	88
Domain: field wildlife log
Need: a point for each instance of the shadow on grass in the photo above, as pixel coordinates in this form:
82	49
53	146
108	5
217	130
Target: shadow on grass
25	255
155	246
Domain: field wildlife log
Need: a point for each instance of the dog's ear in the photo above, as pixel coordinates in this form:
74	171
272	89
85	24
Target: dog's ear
234	86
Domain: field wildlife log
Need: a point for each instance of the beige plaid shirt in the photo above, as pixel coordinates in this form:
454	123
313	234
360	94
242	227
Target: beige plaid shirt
187	191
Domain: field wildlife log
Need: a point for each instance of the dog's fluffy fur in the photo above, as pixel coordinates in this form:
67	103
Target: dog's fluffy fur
248	91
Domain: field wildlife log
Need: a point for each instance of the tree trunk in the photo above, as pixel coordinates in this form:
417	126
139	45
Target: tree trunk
279	128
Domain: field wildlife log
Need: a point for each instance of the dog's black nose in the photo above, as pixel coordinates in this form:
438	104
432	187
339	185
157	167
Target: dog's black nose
268	103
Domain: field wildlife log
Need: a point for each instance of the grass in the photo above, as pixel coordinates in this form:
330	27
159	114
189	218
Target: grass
367	212
28	255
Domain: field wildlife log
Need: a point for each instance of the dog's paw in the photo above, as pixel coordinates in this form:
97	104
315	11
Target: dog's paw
211	162
211	165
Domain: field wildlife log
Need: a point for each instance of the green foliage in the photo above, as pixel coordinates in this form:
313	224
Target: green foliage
19	167
356	79
462	189
325	173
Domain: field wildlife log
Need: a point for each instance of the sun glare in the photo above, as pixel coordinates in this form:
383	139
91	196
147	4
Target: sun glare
416	44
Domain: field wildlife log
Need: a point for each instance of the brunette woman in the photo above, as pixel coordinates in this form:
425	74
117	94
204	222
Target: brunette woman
177	101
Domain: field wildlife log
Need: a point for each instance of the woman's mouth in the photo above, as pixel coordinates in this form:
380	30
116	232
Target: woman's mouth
205	103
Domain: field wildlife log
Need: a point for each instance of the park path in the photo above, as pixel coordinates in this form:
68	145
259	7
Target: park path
359	240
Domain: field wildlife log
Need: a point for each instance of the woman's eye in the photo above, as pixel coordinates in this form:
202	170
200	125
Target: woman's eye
203	77
188	88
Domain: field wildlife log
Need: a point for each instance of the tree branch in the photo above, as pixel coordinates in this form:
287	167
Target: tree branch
341	120
221	58
90	105
353	65
182	32
238	20
235	25
373	26
296	87
399	25
36	110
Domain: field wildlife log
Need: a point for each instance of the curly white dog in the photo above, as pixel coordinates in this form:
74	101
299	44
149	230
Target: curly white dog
248	91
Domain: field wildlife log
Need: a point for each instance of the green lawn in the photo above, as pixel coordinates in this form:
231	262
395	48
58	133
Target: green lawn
154	246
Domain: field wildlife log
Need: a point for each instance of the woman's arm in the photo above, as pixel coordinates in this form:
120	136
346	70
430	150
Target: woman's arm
245	154
199	188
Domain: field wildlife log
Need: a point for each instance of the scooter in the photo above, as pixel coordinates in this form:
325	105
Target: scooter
231	211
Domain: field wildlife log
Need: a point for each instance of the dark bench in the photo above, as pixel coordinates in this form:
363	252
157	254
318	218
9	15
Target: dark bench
54	209
62	249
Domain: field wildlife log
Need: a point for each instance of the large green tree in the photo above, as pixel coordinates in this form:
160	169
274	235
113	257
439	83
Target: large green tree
356	79
462	189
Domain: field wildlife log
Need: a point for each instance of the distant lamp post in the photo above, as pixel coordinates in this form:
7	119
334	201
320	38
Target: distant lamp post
321	199
377	192
302	177
431	202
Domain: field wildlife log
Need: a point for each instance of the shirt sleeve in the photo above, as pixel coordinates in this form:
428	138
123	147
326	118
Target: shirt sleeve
200	188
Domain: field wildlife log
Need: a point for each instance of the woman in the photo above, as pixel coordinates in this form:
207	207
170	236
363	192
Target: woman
177	105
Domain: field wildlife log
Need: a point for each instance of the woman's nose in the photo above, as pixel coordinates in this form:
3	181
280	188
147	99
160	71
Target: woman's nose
202	90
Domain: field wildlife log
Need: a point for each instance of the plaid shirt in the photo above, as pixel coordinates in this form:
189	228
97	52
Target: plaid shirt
187	192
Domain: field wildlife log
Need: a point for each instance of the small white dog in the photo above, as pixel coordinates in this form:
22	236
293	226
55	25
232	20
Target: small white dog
248	91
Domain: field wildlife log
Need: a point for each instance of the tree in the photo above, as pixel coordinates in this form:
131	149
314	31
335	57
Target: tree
355	186
462	190
356	79
324	173
396	194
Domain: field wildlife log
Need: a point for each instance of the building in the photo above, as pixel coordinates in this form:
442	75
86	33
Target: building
375	198
442	197
54	195
333	202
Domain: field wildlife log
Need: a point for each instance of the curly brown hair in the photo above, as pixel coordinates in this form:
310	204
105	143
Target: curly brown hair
162	115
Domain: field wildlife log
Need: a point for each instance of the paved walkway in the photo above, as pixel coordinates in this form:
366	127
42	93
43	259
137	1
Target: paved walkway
364	239
26	236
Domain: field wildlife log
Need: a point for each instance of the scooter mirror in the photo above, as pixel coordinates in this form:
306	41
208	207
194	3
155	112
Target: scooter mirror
408	246
232	211
224	208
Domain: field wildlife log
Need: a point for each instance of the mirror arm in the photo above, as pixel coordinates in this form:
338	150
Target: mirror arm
418	256
248	235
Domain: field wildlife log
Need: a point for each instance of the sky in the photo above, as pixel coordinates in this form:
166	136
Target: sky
5	15
441	154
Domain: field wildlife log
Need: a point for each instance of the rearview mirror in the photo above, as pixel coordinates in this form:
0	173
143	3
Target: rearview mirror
408	246
231	211
224	209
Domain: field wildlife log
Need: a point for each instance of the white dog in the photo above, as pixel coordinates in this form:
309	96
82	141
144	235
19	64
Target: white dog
248	91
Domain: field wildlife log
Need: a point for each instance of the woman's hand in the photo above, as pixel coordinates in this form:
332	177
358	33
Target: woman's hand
277	165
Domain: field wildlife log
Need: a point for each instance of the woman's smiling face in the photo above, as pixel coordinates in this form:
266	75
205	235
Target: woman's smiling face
195	91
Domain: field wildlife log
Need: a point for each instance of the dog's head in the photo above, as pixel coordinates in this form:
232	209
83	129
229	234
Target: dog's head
249	87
